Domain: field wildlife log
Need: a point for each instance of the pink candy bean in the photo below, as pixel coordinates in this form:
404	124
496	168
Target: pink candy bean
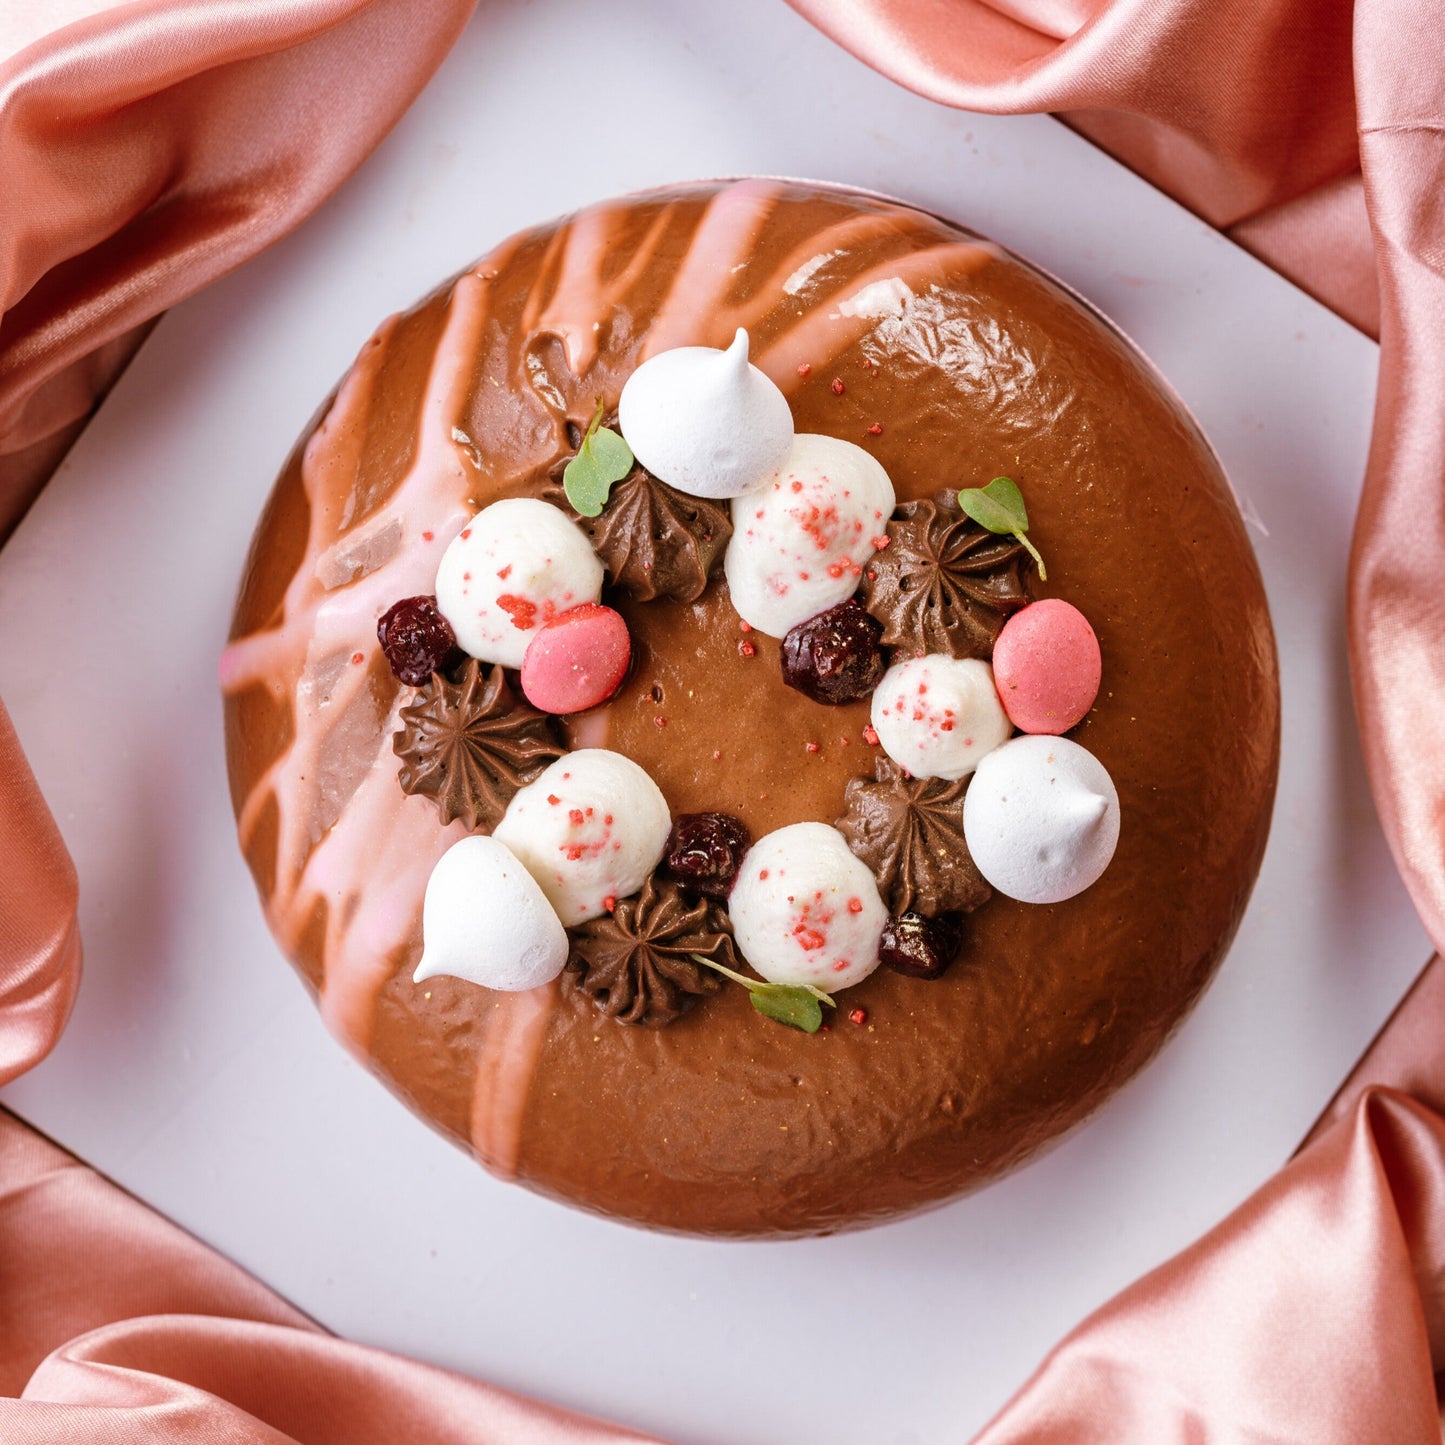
1046	666
576	660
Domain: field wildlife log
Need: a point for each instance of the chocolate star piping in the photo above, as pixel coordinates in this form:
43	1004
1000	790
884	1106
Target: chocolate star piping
653	540
944	584
636	960
471	744
909	831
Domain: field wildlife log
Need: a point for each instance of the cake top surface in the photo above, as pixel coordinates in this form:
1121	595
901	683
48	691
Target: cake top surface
948	362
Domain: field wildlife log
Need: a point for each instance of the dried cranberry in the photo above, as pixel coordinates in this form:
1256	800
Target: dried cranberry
705	851
920	947
836	656
416	639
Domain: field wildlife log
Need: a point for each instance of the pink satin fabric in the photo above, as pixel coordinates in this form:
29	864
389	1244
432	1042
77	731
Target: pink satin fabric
39	937
149	147
1314	1315
1243	111
154	145
116	1326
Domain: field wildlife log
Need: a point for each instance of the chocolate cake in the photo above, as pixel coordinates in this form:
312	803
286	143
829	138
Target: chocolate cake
646	1080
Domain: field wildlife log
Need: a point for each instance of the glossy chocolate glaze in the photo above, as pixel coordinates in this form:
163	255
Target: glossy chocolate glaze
974	365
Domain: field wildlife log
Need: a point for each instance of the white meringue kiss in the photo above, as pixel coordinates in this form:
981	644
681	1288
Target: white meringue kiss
806	911
938	716
485	920
801	542
706	421
1041	819
590	829
514	566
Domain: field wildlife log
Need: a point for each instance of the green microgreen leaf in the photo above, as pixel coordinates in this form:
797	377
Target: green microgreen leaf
999	507
602	459
800	1006
789	1006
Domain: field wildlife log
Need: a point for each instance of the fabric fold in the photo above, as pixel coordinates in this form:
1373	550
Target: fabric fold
1313	1315
1244	112
153	146
1230	107
39	935
176	1377
1397	591
117	1326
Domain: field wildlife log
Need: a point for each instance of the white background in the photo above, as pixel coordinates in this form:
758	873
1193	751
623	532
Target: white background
195	1071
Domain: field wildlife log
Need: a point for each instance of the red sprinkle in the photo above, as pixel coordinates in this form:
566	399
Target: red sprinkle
553	799
659	721
838	387
876	430
522	612
811	747
747	649
744	626
855	905
870	735
858	1016
427	536
610	902
574	816
804	368
809	938
882	542
358	657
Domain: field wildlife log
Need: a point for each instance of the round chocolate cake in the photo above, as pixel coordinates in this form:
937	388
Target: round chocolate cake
1043	539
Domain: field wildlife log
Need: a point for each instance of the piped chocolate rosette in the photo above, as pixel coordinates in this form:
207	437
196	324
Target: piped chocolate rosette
572	858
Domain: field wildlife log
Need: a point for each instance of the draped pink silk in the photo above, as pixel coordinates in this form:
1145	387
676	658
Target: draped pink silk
117	1327
148	147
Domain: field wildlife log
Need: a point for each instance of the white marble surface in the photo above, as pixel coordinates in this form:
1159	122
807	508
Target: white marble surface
195	1071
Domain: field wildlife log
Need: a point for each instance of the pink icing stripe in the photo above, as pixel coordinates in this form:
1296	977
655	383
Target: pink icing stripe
580	296
796	274
725	238
371	866
514	1034
585	243
878	299
536	299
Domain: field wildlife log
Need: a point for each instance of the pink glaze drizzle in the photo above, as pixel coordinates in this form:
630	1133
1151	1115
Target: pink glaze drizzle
725	238
515	1030
379	834
828	330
